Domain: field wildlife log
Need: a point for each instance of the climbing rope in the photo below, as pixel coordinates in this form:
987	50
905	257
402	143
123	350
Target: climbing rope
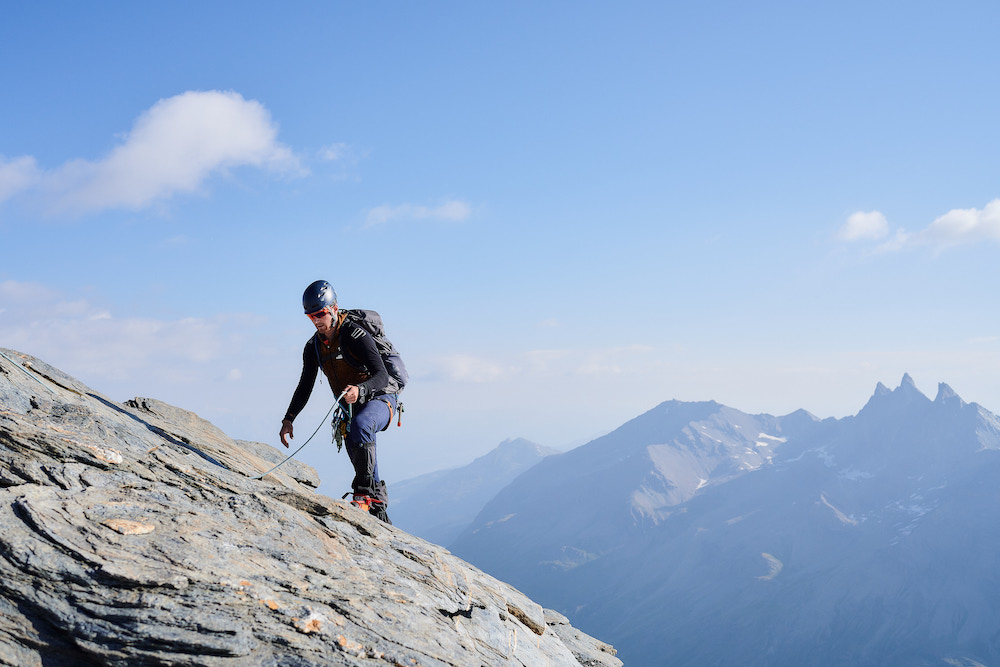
27	372
336	405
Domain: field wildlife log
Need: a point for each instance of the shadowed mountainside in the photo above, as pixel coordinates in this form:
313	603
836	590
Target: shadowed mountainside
438	506
696	534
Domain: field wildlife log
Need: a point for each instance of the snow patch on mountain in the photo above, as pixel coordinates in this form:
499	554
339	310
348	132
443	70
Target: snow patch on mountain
774	567
843	518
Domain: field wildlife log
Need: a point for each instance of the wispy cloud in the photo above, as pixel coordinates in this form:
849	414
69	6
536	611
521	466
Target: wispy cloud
172	148
864	225
472	369
36	319
966	225
333	152
956	227
450	211
340	161
16	175
536	367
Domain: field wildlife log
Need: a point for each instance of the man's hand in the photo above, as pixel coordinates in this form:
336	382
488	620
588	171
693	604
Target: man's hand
286	432
352	394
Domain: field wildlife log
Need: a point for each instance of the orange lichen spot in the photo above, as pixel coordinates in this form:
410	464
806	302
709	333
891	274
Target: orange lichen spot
311	623
126	527
348	645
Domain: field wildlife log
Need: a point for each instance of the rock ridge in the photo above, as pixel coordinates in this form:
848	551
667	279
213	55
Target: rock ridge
133	534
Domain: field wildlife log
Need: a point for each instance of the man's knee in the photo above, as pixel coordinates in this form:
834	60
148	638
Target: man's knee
367	423
363	431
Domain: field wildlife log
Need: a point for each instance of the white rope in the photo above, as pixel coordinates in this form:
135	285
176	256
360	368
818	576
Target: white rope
27	372
336	405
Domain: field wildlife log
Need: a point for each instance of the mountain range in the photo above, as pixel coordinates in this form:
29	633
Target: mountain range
696	534
438	506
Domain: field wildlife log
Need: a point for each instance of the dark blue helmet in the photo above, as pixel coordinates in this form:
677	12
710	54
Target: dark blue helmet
318	296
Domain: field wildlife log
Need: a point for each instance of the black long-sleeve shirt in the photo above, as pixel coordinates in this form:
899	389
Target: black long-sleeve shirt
359	350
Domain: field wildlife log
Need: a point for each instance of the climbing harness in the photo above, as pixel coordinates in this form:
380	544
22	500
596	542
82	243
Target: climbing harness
336	406
341	426
27	372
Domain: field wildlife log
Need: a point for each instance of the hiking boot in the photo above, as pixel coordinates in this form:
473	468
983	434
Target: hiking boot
380	502
373	506
362	502
377	509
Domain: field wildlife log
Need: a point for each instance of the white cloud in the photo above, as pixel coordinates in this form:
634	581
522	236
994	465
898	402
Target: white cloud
536	367
956	227
336	151
451	211
12	291
900	240
468	368
103	346
966	225
172	148
864	226
17	175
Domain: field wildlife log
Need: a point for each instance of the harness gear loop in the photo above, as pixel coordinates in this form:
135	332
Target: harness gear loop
340	428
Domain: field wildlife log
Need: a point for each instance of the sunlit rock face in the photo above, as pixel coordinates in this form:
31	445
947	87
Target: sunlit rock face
135	533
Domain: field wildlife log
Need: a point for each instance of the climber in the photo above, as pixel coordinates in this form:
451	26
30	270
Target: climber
349	357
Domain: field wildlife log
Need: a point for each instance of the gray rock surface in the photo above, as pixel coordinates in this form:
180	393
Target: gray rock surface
134	534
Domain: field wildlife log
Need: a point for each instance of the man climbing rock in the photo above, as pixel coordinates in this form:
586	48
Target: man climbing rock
349	356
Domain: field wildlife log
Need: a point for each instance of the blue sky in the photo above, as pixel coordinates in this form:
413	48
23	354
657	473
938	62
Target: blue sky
567	212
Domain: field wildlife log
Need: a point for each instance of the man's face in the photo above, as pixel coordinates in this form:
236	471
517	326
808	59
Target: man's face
323	320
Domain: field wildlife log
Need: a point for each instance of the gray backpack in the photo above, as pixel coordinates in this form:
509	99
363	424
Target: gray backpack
371	321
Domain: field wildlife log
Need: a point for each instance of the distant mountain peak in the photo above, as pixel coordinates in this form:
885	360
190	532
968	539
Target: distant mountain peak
905	394
519	448
946	395
523	444
422	509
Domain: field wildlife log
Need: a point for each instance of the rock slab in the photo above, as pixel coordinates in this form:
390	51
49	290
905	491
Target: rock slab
134	534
